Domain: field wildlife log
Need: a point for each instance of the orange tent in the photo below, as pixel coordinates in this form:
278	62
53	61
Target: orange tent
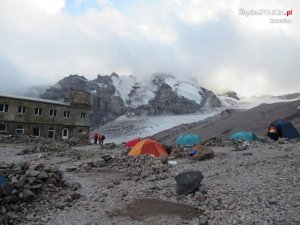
148	146
133	142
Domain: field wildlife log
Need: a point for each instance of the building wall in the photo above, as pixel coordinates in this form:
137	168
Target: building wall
74	123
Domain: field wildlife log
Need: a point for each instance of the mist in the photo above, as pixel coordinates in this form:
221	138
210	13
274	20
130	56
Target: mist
211	43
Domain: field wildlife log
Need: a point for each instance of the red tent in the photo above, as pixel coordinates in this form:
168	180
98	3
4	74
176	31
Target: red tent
132	143
148	146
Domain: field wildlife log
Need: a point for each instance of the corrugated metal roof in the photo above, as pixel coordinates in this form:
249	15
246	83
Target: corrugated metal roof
35	99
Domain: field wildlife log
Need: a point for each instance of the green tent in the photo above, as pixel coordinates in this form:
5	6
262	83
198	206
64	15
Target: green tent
244	135
188	139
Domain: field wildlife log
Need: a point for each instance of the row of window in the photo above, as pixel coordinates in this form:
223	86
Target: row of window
38	111
36	131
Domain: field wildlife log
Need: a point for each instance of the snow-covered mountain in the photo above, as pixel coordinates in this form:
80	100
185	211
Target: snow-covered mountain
115	95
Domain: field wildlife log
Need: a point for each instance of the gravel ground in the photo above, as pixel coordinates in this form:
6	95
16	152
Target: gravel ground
260	185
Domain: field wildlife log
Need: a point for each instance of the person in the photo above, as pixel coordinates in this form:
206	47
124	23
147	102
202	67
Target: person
101	139
95	137
273	133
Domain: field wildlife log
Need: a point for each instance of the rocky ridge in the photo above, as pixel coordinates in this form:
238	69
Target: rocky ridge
116	95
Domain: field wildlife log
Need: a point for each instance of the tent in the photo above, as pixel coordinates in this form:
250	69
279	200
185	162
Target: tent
148	146
132	143
284	129
243	135
188	139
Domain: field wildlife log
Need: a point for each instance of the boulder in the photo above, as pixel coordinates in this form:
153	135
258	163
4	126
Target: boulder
188	182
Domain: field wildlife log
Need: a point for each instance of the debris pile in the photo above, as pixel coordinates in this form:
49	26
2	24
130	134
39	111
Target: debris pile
29	187
217	141
49	147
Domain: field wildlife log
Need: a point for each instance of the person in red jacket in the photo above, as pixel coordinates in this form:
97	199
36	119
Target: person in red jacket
95	137
101	139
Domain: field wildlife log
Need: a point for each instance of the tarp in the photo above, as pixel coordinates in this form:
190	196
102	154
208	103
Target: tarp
3	180
188	139
132	143
148	146
243	135
285	129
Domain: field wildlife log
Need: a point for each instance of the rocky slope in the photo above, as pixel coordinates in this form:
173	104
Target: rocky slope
115	95
256	120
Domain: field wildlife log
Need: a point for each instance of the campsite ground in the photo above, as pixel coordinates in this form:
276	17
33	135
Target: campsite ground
259	185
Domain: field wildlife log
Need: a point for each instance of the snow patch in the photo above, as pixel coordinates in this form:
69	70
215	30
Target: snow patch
123	86
185	89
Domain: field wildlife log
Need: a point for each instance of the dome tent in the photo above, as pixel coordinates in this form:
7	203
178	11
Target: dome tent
284	129
132	143
148	146
244	135
188	139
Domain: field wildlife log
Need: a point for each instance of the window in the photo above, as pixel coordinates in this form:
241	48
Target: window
2	128
38	111
3	108
82	115
22	109
66	114
52	112
20	129
51	132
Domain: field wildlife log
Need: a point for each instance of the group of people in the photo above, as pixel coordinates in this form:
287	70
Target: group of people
98	137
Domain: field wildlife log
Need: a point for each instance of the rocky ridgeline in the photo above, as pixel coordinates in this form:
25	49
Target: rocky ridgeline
29	139
32	190
20	139
49	147
153	168
222	142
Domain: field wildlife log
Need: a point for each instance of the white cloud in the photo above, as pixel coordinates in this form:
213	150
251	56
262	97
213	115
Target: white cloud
207	40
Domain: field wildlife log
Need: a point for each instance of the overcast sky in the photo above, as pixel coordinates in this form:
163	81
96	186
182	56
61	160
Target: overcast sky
42	41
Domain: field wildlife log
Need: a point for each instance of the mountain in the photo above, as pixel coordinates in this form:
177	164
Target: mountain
114	95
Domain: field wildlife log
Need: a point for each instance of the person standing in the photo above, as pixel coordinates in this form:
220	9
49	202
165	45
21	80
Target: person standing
101	139
95	137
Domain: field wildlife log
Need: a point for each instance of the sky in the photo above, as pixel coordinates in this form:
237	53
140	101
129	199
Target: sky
212	41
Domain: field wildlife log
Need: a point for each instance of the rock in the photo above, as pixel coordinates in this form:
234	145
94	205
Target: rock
116	182
200	197
75	195
11	199
188	182
164	159
7	188
203	220
203	189
28	195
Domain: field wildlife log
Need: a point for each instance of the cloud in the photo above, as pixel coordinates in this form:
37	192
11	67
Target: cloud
45	40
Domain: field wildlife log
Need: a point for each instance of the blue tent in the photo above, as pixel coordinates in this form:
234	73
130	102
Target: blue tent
285	129
188	139
243	135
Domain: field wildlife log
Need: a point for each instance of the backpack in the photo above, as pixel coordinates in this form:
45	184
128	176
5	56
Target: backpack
103	137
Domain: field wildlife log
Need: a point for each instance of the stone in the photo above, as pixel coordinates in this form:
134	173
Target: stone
203	220
164	159
203	189
32	173
188	182
28	195
43	175
7	188
11	199
75	195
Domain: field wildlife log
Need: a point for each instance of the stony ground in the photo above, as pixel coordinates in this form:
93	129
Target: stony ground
254	185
